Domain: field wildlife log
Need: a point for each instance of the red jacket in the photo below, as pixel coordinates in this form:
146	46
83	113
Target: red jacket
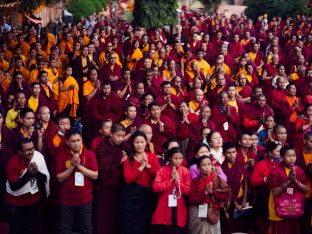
164	186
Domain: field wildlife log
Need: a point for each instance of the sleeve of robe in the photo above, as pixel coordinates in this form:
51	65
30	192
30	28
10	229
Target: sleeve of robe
169	128
249	122
95	112
197	196
161	183
116	105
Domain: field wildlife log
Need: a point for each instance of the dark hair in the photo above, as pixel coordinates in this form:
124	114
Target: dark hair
209	136
272	146
307	135
166	143
199	160
24	111
33	84
23	141
228	145
106	121
62	116
40	74
132	149
152	104
171	152
162	85
285	148
72	131
199	146
117	127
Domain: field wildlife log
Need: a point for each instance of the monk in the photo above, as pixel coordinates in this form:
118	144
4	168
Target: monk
68	99
33	100
226	118
104	131
198	101
279	93
107	106
46	96
236	49
168	101
134	56
110	154
269	72
130	123
91	91
255	113
290	106
162	126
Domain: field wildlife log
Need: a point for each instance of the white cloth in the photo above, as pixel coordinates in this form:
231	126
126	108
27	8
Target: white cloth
42	167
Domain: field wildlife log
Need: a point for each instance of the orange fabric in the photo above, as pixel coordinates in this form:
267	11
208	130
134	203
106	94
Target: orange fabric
88	88
51	42
46	89
66	46
5	84
145	49
241	71
4	65
25	48
167	73
8	54
137	54
69	97
85	40
294	114
102	59
33	103
53	75
56	140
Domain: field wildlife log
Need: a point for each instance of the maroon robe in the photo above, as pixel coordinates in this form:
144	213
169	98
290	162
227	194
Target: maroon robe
159	138
109	108
48	101
169	111
106	72
220	119
236	49
267	84
78	69
251	115
107	197
245	92
277	95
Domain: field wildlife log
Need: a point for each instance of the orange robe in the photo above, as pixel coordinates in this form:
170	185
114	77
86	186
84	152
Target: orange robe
137	54
69	97
102	59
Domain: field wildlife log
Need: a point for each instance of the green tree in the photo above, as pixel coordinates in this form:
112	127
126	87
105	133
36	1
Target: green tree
85	7
210	5
276	7
155	13
30	5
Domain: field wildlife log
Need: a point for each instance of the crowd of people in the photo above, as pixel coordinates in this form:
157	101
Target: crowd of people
110	128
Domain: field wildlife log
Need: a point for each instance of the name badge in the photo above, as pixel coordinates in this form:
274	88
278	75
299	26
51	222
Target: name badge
202	211
290	191
34	189
226	126
79	179
172	201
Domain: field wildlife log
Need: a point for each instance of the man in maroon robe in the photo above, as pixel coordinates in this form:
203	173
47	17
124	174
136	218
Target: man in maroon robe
236	49
167	101
226	118
108	106
163	128
110	154
111	71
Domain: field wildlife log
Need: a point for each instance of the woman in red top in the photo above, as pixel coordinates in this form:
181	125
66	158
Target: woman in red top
206	189
172	182
137	200
258	180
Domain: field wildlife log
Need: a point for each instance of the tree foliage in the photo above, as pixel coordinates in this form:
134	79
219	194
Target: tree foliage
85	8
277	7
210	5
155	13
